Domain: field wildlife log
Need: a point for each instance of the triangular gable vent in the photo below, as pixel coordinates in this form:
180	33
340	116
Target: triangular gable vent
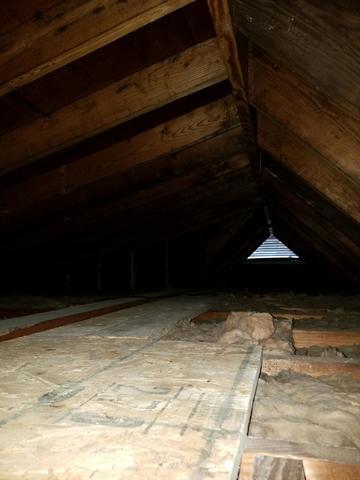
272	248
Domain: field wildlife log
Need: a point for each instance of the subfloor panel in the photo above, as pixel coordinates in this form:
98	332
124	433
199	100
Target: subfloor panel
130	408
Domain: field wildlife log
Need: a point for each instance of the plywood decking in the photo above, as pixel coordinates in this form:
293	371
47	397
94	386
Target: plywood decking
124	403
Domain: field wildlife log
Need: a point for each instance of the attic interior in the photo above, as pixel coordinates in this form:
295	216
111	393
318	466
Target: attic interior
180	239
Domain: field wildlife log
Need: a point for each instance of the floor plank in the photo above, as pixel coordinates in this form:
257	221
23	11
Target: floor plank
284	449
317	470
323	338
314	366
101	407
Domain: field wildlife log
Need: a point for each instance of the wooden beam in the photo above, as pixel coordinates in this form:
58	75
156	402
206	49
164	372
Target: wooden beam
220	12
161	141
265	467
312	167
141	212
245	240
346	247
320	45
44	325
278	92
308	232
154	231
171	196
216	241
202	159
194	69
322	470
284	449
198	162
132	232
311	197
322	249
314	366
304	242
325	338
68	31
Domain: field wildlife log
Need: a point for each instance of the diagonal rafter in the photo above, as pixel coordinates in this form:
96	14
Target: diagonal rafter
192	70
69	31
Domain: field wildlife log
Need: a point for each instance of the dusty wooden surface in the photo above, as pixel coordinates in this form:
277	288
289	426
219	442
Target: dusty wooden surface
196	68
318	470
152	320
316	367
296	450
263	467
35	49
18	323
107	399
307	338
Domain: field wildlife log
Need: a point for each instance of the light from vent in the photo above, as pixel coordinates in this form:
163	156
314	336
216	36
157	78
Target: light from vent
272	248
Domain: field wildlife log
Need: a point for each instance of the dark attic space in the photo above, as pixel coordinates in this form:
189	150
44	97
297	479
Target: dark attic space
180	240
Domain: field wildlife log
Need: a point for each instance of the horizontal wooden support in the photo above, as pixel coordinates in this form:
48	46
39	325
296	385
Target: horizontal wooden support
314	366
194	69
312	469
284	449
68	31
325	338
266	467
298	315
322	470
312	167
160	141
321	47
60	321
278	92
210	317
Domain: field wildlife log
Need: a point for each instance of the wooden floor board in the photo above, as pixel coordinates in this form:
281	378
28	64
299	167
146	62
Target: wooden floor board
293	450
124	406
318	470
325	338
314	366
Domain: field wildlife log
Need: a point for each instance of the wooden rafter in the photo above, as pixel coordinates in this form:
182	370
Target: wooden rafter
278	92
311	197
194	69
236	67
348	250
319	44
112	167
68	31
161	211
301	235
312	167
